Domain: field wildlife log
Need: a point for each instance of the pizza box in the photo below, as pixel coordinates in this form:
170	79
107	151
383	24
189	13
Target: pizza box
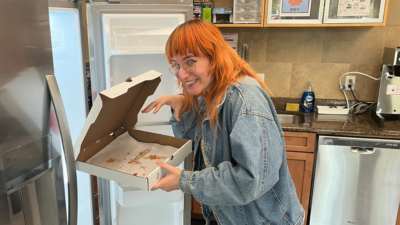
110	147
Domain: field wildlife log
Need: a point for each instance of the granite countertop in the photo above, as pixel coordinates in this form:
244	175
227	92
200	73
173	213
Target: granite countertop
348	125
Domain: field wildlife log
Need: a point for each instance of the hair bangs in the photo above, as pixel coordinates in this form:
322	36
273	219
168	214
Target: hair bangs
181	42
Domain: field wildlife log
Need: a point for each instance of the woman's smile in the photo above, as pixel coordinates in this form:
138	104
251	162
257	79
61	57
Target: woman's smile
190	82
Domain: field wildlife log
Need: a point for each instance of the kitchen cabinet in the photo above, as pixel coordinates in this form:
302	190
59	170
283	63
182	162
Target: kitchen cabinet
322	13
196	206
96	200
325	13
245	12
398	217
299	141
300	158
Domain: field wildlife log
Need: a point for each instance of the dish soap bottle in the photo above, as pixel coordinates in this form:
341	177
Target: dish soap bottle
308	100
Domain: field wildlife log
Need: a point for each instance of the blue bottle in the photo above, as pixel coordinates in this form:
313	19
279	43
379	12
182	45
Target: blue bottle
308	100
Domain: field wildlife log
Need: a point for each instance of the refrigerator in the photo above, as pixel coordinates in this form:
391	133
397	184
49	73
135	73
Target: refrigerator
35	142
125	39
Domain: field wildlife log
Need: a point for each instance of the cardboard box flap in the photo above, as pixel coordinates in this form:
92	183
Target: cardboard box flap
114	111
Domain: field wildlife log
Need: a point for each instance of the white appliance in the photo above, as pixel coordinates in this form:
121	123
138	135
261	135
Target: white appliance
125	40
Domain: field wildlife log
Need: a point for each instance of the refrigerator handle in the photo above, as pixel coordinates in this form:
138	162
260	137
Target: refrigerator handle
68	149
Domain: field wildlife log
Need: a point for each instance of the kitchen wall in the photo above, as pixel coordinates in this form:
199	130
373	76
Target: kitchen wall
290	57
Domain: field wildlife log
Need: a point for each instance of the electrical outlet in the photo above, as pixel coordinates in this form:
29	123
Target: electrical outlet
261	75
350	80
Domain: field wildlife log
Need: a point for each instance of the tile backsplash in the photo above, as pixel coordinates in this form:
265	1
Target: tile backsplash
290	57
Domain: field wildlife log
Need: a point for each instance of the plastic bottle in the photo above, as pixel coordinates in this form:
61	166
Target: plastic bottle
308	100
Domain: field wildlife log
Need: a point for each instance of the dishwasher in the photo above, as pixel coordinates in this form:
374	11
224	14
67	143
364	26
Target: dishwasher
356	182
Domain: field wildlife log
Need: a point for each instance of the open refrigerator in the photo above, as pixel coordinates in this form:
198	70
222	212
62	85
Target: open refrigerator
125	39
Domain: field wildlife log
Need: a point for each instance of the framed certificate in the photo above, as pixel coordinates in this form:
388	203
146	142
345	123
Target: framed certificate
354	7
354	11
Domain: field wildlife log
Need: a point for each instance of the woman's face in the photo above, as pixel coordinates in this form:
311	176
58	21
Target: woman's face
193	72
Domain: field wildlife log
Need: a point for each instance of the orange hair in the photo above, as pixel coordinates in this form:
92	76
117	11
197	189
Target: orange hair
202	38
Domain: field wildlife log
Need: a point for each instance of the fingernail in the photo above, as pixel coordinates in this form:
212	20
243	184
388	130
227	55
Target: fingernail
158	162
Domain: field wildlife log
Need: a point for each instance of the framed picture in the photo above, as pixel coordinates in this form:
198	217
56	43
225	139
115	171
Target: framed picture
354	11
296	8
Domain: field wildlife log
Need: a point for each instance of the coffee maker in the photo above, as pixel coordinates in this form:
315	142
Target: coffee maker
388	105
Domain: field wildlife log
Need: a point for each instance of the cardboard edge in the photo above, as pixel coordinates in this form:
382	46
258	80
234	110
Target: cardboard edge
139	182
155	176
177	158
122	88
90	119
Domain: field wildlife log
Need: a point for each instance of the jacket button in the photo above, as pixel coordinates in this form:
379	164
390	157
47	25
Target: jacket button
286	215
195	139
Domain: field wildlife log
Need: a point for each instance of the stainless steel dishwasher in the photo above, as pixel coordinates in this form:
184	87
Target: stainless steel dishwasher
356	182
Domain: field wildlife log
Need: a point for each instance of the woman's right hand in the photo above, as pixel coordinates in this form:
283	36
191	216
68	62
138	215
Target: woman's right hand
175	101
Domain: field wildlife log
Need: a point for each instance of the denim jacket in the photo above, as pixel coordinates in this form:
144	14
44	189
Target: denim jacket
246	180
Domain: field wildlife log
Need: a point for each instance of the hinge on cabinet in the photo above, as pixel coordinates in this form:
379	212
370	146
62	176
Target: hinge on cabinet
114	1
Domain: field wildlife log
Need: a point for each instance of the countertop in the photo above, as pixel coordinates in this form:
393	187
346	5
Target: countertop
350	125
354	125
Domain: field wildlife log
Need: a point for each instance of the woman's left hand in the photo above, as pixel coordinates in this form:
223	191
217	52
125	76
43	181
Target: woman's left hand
169	182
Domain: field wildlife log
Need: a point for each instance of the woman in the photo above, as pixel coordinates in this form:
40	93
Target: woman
240	172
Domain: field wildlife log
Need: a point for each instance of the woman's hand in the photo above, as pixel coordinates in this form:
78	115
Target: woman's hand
169	182
175	101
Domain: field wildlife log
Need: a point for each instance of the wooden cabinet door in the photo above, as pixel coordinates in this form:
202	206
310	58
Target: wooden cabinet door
398	217
299	142
196	207
300	168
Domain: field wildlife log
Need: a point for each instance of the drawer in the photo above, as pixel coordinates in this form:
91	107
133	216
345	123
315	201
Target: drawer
247	8
299	142
246	17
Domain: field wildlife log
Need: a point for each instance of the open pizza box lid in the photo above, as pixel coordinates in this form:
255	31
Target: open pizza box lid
113	116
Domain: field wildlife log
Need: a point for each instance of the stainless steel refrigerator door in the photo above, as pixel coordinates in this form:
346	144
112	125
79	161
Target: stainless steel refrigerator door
26	165
25	59
35	203
70	70
355	185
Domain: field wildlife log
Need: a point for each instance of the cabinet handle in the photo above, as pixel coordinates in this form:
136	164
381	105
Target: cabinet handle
362	150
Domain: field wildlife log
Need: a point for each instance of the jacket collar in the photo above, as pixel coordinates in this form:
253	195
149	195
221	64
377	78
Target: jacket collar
203	108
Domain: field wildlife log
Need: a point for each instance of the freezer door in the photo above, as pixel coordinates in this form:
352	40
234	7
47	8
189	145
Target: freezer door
356	185
126	40
70	71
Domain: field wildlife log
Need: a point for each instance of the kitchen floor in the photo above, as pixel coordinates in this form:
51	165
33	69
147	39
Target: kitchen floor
202	222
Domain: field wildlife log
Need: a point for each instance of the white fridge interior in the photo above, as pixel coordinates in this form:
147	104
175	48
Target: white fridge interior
154	207
133	44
